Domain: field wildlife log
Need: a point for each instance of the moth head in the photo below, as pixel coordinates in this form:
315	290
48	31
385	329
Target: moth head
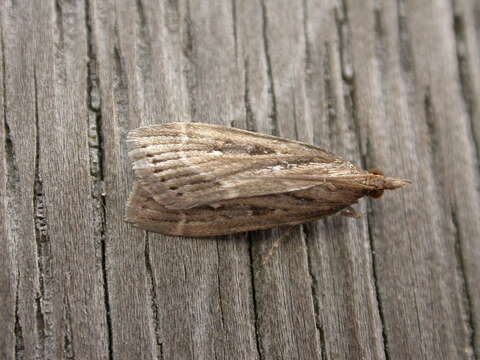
382	182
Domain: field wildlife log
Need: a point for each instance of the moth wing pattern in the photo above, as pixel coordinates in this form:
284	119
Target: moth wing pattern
186	165
235	215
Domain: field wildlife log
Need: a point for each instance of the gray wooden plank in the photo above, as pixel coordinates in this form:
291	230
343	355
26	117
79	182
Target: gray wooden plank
456	159
128	289
20	160
407	283
390	84
219	317
54	269
8	277
467	28
286	323
224	299
58	288
339	248
194	295
70	235
286	62
419	278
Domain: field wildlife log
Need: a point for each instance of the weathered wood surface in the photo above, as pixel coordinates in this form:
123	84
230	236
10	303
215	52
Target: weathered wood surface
388	84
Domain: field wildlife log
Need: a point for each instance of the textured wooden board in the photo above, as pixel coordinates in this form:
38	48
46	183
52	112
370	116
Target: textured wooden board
391	84
53	241
416	262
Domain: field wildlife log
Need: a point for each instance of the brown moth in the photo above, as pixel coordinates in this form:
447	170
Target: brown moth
196	179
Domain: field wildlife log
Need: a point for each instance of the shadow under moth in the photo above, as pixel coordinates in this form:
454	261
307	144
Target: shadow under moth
196	179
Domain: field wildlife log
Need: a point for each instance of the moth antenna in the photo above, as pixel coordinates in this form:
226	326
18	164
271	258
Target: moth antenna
276	244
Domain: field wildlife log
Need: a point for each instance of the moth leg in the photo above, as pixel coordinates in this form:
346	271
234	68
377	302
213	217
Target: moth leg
275	245
350	212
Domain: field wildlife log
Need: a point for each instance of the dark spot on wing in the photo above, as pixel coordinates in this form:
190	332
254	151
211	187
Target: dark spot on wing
251	149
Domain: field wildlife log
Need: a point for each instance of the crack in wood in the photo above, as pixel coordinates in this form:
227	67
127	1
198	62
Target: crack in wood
351	111
190	67
376	285
271	86
97	156
365	149
234	28
40	322
11	188
469	308
12	170
219	291
405	47
144	45
59	36
315	293
380	44
153	298
220	301
465	79
250	120
68	348
344	37
120	85
323	343
469	100
350	86
41	227
294	114
308	51
18	330
59	22
256	320
433	139
329	96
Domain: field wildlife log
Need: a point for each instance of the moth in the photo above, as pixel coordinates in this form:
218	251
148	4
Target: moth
195	179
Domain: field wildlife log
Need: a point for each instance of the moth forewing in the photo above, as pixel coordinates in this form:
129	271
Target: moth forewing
199	180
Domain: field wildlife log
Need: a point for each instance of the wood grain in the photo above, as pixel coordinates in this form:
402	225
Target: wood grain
387	84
